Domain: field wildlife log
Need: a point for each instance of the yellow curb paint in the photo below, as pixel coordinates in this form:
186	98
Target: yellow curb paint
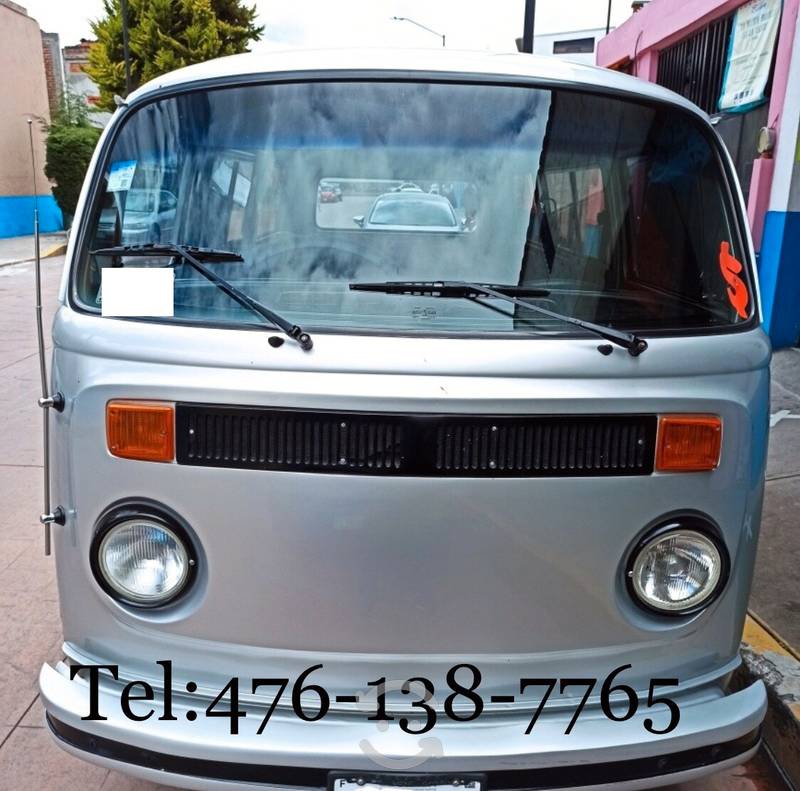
761	638
764	652
58	249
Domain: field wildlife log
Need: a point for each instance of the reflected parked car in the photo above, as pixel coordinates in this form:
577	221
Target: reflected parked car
410	210
330	193
149	215
407	186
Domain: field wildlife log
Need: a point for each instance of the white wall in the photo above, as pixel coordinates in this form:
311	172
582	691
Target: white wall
543	44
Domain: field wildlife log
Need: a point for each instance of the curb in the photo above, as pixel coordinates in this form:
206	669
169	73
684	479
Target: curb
767	656
57	249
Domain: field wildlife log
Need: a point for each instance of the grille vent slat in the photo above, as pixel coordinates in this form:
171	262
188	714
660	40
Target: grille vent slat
414	444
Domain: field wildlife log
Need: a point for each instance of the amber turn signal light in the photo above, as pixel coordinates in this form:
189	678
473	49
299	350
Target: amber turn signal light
143	430
688	443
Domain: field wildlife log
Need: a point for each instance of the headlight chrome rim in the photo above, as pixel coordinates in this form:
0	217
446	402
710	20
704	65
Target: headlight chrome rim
687	525
142	511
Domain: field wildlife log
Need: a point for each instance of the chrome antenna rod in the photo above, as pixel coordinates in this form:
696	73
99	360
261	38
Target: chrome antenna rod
46	401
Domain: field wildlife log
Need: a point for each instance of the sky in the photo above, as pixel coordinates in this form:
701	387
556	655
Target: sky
467	24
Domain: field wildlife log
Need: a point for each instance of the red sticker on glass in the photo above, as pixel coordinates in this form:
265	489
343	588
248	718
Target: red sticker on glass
737	288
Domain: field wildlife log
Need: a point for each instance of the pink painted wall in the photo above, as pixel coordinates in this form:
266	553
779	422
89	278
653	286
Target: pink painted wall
662	23
791	8
659	24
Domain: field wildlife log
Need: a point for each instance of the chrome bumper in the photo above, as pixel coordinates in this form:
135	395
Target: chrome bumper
715	730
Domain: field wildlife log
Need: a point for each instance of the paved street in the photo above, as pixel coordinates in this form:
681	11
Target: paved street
29	619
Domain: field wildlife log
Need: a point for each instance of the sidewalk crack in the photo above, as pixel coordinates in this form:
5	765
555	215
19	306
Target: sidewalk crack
21	359
783	387
782	477
33	466
21	718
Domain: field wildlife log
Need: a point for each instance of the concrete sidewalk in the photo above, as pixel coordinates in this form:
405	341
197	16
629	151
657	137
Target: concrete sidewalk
16	249
775	597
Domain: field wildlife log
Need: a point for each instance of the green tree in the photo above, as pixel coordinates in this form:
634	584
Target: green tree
69	147
72	111
165	35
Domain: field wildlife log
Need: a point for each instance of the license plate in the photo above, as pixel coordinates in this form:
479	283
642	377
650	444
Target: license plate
371	782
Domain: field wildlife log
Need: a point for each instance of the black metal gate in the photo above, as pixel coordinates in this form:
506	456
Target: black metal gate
695	67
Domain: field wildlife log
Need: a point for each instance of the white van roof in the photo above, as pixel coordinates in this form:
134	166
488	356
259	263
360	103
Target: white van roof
444	61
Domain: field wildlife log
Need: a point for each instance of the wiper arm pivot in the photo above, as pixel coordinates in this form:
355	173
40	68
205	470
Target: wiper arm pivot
192	255
475	291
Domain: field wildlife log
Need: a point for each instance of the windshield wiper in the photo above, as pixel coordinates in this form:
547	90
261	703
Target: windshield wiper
192	255
457	289
448	288
206	253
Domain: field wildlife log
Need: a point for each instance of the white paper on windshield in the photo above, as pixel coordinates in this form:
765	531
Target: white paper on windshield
241	190
120	176
221	176
138	291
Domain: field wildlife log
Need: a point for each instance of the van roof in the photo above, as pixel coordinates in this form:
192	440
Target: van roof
411	61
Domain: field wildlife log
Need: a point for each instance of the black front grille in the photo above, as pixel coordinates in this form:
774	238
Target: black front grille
542	446
370	443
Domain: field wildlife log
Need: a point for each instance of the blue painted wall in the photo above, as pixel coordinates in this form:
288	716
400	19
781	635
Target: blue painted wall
16	215
779	276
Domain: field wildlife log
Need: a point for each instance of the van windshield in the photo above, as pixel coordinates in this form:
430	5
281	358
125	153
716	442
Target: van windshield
618	208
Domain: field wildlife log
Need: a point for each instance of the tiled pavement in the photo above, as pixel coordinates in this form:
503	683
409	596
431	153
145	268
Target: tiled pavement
29	619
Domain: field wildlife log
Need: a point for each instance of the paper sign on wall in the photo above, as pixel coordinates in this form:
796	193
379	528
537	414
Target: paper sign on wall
138	291
755	29
120	176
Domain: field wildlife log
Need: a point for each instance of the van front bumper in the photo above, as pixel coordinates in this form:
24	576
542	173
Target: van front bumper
716	730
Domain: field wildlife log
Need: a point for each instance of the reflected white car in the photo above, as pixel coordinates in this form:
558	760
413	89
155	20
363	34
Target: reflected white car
410	210
149	216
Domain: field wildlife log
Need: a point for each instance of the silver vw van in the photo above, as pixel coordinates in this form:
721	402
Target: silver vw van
411	434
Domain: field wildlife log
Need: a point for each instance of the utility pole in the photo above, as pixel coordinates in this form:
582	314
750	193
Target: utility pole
608	18
527	30
123	7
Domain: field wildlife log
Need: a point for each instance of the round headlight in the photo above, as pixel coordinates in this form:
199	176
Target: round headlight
677	571
143	561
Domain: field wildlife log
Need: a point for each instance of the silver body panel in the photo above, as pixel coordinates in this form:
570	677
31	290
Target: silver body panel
498	742
406	576
419	567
